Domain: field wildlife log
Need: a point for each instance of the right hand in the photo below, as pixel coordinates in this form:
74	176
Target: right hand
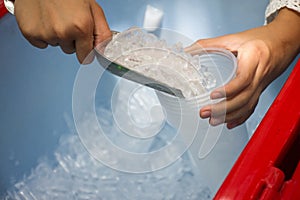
74	25
263	53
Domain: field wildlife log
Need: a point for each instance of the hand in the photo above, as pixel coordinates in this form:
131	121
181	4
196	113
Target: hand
75	25
263	54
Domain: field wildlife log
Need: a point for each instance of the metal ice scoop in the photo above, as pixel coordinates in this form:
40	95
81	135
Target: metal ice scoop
125	72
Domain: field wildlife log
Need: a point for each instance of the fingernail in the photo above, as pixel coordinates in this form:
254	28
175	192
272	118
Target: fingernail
232	125
216	95
189	48
205	114
216	121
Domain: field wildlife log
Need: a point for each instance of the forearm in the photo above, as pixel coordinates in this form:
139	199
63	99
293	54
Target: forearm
282	41
263	54
285	35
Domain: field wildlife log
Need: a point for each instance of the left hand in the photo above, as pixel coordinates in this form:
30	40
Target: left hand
74	25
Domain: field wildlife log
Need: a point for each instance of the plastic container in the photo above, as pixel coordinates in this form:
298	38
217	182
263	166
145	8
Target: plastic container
269	166
3	10
139	116
153	18
51	98
214	149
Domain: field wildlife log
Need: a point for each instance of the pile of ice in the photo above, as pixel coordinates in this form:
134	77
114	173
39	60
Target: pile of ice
145	53
74	174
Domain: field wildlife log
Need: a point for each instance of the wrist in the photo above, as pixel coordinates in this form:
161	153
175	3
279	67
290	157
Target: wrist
286	28
282	36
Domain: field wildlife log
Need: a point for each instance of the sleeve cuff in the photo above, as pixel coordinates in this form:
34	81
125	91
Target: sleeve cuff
275	5
9	5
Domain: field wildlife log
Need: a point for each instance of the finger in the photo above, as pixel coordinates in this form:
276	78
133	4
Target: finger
205	43
232	119
68	46
233	124
233	88
214	121
205	112
193	48
239	115
84	38
101	28
237	118
233	91
38	43
34	40
244	110
230	105
230	42
247	66
83	46
216	110
213	42
236	104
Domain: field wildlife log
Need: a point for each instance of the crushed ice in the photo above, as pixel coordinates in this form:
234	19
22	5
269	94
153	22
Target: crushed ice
145	53
74	174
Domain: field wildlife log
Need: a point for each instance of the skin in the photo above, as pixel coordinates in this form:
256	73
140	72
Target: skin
263	54
74	25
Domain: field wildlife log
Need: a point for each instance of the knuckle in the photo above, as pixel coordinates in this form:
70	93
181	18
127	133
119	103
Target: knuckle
202	42
245	78
199	41
252	105
106	34
67	50
28	31
60	32
219	108
77	28
246	111
262	48
34	38
83	26
245	101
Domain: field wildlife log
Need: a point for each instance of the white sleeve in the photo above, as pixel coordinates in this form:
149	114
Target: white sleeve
9	5
275	5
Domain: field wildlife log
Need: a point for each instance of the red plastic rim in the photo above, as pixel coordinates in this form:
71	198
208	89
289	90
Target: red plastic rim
3	10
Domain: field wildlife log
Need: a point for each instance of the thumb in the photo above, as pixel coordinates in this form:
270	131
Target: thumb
229	42
220	42
101	28
205	43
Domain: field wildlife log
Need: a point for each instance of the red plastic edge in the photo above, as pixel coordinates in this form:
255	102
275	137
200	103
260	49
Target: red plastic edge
269	146
291	189
3	10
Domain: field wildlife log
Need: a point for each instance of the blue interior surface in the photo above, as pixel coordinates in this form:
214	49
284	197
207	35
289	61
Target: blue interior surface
36	85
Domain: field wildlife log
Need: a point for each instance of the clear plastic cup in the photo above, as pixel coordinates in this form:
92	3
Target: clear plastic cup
141	117
214	149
